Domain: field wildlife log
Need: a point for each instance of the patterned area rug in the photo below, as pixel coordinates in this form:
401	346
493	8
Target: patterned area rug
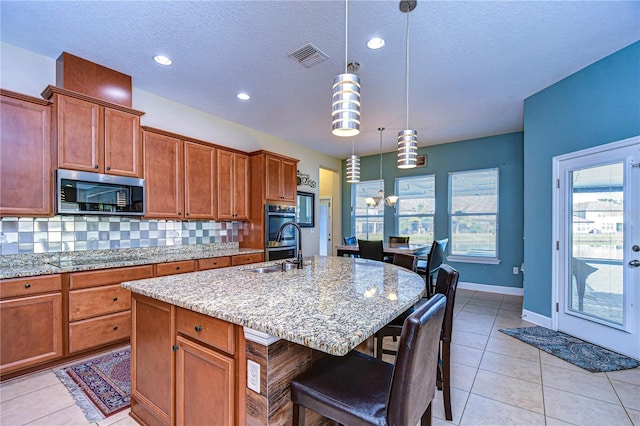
100	386
571	349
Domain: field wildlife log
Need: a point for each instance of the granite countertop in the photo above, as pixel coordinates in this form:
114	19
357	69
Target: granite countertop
28	265
333	304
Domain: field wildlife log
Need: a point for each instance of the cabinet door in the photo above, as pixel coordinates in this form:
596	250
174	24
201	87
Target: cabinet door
31	331
289	180
123	150
199	181
25	158
205	386
79	134
225	185
273	190
241	187
152	361
163	176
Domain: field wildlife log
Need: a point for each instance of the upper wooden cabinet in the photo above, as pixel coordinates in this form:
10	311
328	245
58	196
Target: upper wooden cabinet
163	174
95	136
180	177
233	186
25	155
280	178
199	181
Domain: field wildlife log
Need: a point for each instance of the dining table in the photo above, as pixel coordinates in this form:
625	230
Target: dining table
388	249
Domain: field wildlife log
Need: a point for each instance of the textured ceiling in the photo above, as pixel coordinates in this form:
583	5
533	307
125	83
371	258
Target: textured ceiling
472	62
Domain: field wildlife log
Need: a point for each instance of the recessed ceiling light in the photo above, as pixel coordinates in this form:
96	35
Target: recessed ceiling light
162	60
375	43
243	96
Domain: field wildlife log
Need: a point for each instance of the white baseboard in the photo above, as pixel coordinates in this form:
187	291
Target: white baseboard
537	319
501	289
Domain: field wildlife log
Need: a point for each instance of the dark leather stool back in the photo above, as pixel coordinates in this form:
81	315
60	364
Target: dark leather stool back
371	249
398	240
408	261
357	389
412	387
446	284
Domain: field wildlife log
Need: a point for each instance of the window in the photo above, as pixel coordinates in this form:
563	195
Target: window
416	207
368	221
473	214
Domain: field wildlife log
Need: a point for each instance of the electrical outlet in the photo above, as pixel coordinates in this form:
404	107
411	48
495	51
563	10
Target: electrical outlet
253	375
515	270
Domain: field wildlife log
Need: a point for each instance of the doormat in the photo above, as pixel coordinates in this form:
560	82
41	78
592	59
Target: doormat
571	349
100	386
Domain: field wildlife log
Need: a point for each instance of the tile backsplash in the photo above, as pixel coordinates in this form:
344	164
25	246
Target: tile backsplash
76	233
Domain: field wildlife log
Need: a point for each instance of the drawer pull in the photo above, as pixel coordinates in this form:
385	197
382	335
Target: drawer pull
177	268
27	285
115	299
115	328
198	328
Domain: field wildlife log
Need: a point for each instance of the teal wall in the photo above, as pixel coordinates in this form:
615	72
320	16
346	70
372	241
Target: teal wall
597	105
504	152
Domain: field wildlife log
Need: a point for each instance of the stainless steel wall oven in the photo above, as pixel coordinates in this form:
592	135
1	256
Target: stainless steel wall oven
275	216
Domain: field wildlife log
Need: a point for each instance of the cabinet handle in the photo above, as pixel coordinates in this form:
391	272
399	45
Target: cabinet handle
27	285
108	168
115	299
95	167
179	213
115	328
187	213
177	268
198	328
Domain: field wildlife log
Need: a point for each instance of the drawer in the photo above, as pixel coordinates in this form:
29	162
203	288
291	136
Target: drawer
211	331
31	285
171	268
99	331
108	276
243	259
93	302
214	262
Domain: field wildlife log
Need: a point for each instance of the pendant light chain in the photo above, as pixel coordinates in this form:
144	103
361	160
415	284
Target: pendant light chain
381	129
408	138
406	85
346	35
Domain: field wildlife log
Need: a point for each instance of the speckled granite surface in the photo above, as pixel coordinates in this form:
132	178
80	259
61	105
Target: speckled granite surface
332	304
26	265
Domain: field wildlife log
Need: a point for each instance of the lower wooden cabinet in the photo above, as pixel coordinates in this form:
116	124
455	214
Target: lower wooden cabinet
244	259
102	330
172	268
31	331
99	308
185	366
214	263
152	361
205	385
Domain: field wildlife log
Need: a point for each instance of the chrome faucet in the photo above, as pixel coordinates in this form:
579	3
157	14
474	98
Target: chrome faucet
298	261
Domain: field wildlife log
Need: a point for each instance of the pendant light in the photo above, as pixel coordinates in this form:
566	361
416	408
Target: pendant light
345	108
408	138
353	164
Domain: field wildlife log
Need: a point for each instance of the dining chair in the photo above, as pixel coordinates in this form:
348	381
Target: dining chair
357	389
407	261
435	258
371	249
446	284
350	241
394	239
398	240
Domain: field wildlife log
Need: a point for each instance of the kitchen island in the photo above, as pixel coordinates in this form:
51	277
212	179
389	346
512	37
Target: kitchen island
277	322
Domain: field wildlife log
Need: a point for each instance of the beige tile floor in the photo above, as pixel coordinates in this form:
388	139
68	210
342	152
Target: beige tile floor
496	380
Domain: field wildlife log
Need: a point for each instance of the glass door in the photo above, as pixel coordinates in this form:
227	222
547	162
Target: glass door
599	248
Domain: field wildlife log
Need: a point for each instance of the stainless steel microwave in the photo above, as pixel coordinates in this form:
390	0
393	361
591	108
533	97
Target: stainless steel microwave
95	193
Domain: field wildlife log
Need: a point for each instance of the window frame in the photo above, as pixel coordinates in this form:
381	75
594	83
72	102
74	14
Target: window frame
354	216
471	258
398	216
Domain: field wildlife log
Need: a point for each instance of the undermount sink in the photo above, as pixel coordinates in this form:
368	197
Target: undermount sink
273	268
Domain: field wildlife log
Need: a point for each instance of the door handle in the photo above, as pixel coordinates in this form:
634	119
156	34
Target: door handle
635	263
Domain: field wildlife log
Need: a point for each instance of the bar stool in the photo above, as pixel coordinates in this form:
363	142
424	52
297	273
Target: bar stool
357	389
435	258
371	249
446	284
